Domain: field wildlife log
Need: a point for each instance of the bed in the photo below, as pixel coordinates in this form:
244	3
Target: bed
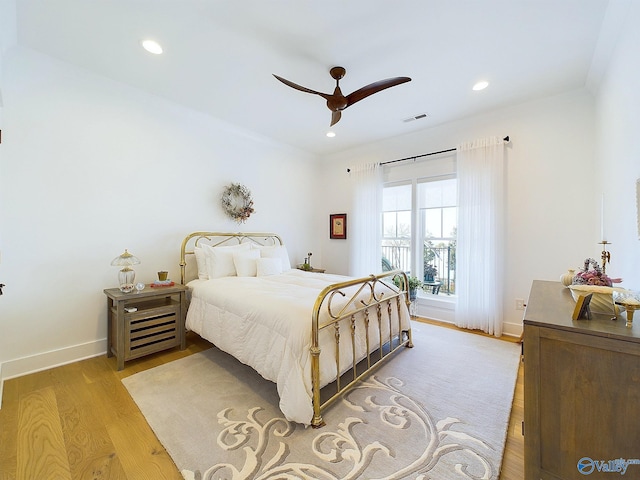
313	334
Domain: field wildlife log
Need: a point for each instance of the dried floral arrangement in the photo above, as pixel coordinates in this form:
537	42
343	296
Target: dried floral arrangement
592	274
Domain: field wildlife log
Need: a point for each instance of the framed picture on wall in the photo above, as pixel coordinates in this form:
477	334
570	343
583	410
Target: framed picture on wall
338	226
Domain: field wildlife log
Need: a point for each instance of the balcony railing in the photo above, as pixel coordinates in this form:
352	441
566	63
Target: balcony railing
442	258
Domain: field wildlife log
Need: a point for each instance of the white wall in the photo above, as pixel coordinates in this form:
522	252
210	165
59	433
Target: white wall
618	158
553	218
90	167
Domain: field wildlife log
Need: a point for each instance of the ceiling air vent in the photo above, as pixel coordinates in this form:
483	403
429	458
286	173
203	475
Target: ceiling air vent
416	117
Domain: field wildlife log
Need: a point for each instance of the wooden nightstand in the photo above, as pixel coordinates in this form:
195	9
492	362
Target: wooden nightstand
156	324
317	270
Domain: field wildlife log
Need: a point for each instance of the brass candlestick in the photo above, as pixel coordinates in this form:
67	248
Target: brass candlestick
605	256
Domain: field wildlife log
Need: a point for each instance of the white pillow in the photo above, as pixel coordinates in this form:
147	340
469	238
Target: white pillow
201	262
220	259
276	251
268	266
245	262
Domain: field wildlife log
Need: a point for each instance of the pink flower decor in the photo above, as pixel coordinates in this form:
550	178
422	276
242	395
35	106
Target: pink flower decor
593	276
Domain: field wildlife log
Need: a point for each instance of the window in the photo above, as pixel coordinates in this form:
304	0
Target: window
396	227
419	223
438	214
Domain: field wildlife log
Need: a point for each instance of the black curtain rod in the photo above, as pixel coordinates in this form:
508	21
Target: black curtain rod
506	139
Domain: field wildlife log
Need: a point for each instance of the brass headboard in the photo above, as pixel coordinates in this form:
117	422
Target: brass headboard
216	239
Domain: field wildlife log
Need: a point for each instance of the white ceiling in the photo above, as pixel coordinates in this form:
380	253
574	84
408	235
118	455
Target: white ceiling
219	56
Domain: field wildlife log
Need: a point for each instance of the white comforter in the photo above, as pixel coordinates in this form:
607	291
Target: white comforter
265	322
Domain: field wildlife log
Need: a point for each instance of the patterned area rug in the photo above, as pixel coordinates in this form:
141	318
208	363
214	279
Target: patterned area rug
437	411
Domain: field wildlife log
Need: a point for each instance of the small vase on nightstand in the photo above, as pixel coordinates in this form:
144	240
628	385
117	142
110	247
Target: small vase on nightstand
567	278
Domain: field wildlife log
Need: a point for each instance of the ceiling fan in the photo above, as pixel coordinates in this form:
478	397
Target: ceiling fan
337	101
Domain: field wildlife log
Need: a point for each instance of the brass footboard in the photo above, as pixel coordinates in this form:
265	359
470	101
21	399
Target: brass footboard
349	306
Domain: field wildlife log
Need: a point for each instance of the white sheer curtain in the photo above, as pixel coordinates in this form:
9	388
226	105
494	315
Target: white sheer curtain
480	249
364	223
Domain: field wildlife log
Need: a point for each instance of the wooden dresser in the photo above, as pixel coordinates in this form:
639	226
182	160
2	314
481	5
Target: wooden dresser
581	389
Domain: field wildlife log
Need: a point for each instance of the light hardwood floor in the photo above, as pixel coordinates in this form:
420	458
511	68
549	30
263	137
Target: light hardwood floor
78	422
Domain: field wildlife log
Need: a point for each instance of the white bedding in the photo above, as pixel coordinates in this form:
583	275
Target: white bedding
265	322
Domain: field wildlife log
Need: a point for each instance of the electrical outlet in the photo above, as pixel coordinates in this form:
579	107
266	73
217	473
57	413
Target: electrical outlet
519	304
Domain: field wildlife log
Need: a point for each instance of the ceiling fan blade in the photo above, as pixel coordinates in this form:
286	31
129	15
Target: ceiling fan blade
375	87
301	88
335	117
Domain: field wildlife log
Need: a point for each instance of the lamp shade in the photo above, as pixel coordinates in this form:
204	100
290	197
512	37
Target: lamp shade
125	260
126	275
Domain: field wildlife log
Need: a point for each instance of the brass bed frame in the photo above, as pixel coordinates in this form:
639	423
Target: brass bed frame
382	296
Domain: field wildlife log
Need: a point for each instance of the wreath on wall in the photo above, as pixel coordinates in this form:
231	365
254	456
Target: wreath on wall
237	202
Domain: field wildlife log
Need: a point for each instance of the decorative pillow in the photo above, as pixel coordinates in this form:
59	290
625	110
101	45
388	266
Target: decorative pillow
245	262
276	251
268	266
220	259
201	262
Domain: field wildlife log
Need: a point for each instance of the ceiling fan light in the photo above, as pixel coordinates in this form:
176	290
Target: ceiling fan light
480	85
152	46
331	134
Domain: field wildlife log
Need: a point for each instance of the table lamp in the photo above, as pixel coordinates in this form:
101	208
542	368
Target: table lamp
126	276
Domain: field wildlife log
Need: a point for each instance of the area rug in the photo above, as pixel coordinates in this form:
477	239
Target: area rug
437	411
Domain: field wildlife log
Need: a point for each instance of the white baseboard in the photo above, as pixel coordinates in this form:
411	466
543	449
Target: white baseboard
54	358
512	329
508	329
46	360
443	309
439	308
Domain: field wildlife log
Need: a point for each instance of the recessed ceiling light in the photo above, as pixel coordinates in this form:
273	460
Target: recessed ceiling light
480	85
331	134
152	46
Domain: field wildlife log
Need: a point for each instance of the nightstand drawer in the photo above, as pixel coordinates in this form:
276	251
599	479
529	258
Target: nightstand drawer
148	335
